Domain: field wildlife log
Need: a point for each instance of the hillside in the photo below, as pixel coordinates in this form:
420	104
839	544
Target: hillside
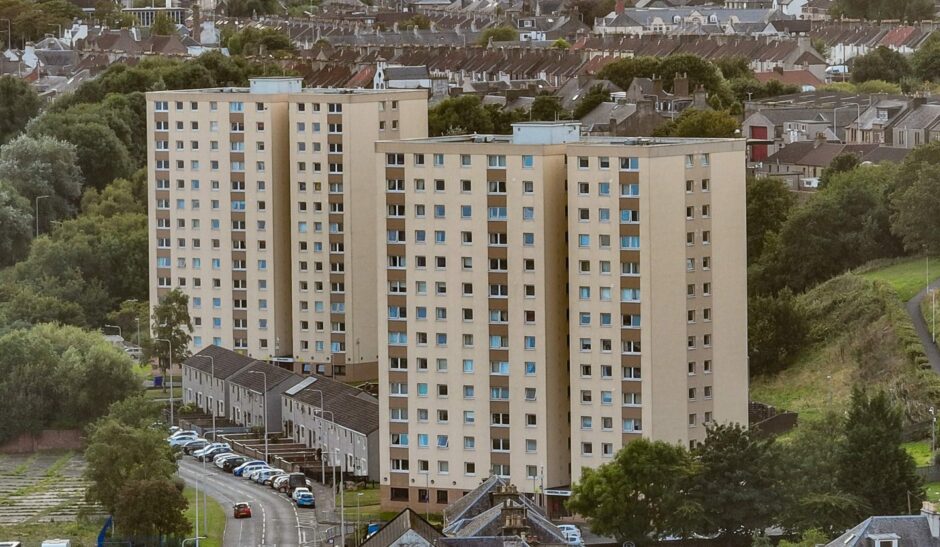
859	335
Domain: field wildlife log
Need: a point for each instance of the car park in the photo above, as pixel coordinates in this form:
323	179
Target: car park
220	458
280	483
299	492
181	440
248	466
211	450
231	463
193	445
268	480
252	475
183	432
297	480
241	510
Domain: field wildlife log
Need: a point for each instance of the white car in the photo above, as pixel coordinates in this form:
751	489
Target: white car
179	432
572	534
252	474
182	439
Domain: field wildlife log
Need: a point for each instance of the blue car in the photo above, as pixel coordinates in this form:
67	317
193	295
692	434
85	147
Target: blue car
253	464
305	500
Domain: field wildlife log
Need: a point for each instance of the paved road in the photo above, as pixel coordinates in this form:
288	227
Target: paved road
923	330
275	520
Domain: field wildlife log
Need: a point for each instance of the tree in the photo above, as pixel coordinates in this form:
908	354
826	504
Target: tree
132	315
926	59
641	496
878	86
594	97
171	322
814	500
700	72
498	34
700	123
121	196
419	21
915	201
769	202
136	411
873	465
844	225
16	225
547	108
588	10
109	13
735	67
561	43
255	41
162	25
59	375
43	166
19	103
881	63
118	454
776	329
465	113
821	47
875	10
102	156
150	508
740	482
842	163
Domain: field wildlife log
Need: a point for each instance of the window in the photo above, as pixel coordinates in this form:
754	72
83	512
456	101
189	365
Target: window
527	162
496	161
629	164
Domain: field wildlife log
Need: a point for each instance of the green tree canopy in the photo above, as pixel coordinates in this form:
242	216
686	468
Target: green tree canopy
19	103
498	34
547	107
699	71
150	508
16	225
769	202
594	97
162	25
700	123
842	163
873	466
43	166
464	114
926	59
776	330
171	322
740	483
915	199
641	496
876	10
59	376
881	63
255	41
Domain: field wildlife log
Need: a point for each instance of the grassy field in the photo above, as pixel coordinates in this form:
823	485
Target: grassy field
216	518
907	276
920	451
807	387
159	393
81	533
933	491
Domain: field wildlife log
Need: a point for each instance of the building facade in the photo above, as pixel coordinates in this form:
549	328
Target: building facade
249	199
533	277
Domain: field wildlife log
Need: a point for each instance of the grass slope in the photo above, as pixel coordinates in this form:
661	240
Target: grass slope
907	275
216	518
861	335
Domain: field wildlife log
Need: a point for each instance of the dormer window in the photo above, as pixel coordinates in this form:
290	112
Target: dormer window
676	19
882	114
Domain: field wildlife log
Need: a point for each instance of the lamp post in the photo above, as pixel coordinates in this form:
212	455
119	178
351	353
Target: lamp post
120	333
342	506
327	452
37	212
358	521
169	374
933	431
264	410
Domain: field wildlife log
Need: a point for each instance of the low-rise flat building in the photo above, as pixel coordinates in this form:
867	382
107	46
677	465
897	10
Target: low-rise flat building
255	392
205	378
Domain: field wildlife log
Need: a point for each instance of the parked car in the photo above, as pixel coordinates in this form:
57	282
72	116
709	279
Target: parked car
572	534
196	444
179	432
220	458
242	510
297	480
210	455
269	479
254	474
211	449
280	483
249	465
231	463
304	498
300	492
246	474
181	440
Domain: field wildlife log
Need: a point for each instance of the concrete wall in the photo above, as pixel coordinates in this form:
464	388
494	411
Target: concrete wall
48	439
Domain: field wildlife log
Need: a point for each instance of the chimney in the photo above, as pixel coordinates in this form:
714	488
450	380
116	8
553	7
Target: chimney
680	86
700	98
619	7
657	86
929	510
645	108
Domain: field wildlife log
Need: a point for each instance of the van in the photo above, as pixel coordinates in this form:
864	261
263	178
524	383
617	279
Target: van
296	480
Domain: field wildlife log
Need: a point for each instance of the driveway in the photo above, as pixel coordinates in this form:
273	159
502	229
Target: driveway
922	328
275	520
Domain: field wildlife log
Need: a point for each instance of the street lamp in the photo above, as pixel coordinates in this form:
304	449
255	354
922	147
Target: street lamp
37	212
120	333
169	372
933	432
264	409
358	521
327	452
342	505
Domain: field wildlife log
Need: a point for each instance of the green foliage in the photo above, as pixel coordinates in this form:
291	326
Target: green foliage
769	202
118	455
171	322
133	316
547	107
700	123
844	225
699	71
842	163
162	25
594	97
914	200
881	63
751	88
926	59
419	21
740	481
735	67
821	47
18	104
498	34
872	464
60	376
641	496
121	196
43	166
878	86
464	114
809	538
249	8
875	10
16	225
257	41
151	507
136	411
110	14
588	10
776	330
561	43
30	21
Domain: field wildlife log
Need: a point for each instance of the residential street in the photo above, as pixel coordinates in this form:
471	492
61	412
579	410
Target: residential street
275	520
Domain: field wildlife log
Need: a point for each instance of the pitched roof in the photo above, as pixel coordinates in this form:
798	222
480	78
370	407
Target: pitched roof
407	73
403	522
273	375
793	77
352	407
227	362
910	530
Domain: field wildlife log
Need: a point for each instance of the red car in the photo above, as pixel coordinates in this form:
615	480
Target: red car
242	510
